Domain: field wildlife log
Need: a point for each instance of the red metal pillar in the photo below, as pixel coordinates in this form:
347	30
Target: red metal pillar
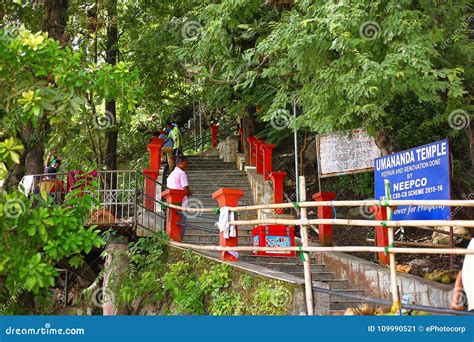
325	230
150	188
259	156
228	198
152	173
214	128
173	218
267	159
155	153
251	141
381	233
277	179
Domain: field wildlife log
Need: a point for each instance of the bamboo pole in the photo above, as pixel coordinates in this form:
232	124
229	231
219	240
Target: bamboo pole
412	244
354	203
362	223
313	249
306	258
393	261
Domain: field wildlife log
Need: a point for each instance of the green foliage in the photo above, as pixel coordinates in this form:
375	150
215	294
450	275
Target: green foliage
31	64
146	266
270	298
190	285
36	234
10	150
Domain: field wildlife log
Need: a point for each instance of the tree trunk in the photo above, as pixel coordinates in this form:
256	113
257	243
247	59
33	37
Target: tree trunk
384	142
248	130
32	163
115	267
111	135
56	19
470	135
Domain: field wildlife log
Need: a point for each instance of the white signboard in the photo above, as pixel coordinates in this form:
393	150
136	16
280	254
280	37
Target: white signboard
345	152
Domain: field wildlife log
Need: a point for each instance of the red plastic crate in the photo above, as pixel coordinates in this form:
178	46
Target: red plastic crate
273	236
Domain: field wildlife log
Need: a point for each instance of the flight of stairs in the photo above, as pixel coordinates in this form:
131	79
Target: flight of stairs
206	174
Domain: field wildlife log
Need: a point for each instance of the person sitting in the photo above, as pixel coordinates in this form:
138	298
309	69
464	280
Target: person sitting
54	166
51	159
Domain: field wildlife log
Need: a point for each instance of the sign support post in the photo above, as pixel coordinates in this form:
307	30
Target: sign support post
391	243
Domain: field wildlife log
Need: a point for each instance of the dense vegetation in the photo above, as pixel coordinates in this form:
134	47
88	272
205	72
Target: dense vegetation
89	77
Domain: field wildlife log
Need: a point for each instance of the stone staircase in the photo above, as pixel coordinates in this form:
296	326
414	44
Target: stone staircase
206	174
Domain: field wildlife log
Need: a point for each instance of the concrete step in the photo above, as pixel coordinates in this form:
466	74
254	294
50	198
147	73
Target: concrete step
336	305
199	238
315	275
213	231
248	257
211	166
206	243
231	171
336	283
217	183
289	266
357	292
336	312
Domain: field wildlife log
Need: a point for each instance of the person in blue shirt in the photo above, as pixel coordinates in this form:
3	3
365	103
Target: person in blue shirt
167	149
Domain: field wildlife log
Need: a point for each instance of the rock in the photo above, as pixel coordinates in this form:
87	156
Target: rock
443	239
228	149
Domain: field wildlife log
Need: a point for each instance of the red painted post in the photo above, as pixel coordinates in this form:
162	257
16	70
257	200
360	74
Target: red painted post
214	128
259	156
150	188
251	141
325	230
277	179
155	153
267	159
173	218
155	162
381	233
228	198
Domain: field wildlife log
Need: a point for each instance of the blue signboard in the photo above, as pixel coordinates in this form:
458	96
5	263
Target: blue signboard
421	173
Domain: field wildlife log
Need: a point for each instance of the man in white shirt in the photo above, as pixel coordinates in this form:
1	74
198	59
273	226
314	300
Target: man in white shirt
178	180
